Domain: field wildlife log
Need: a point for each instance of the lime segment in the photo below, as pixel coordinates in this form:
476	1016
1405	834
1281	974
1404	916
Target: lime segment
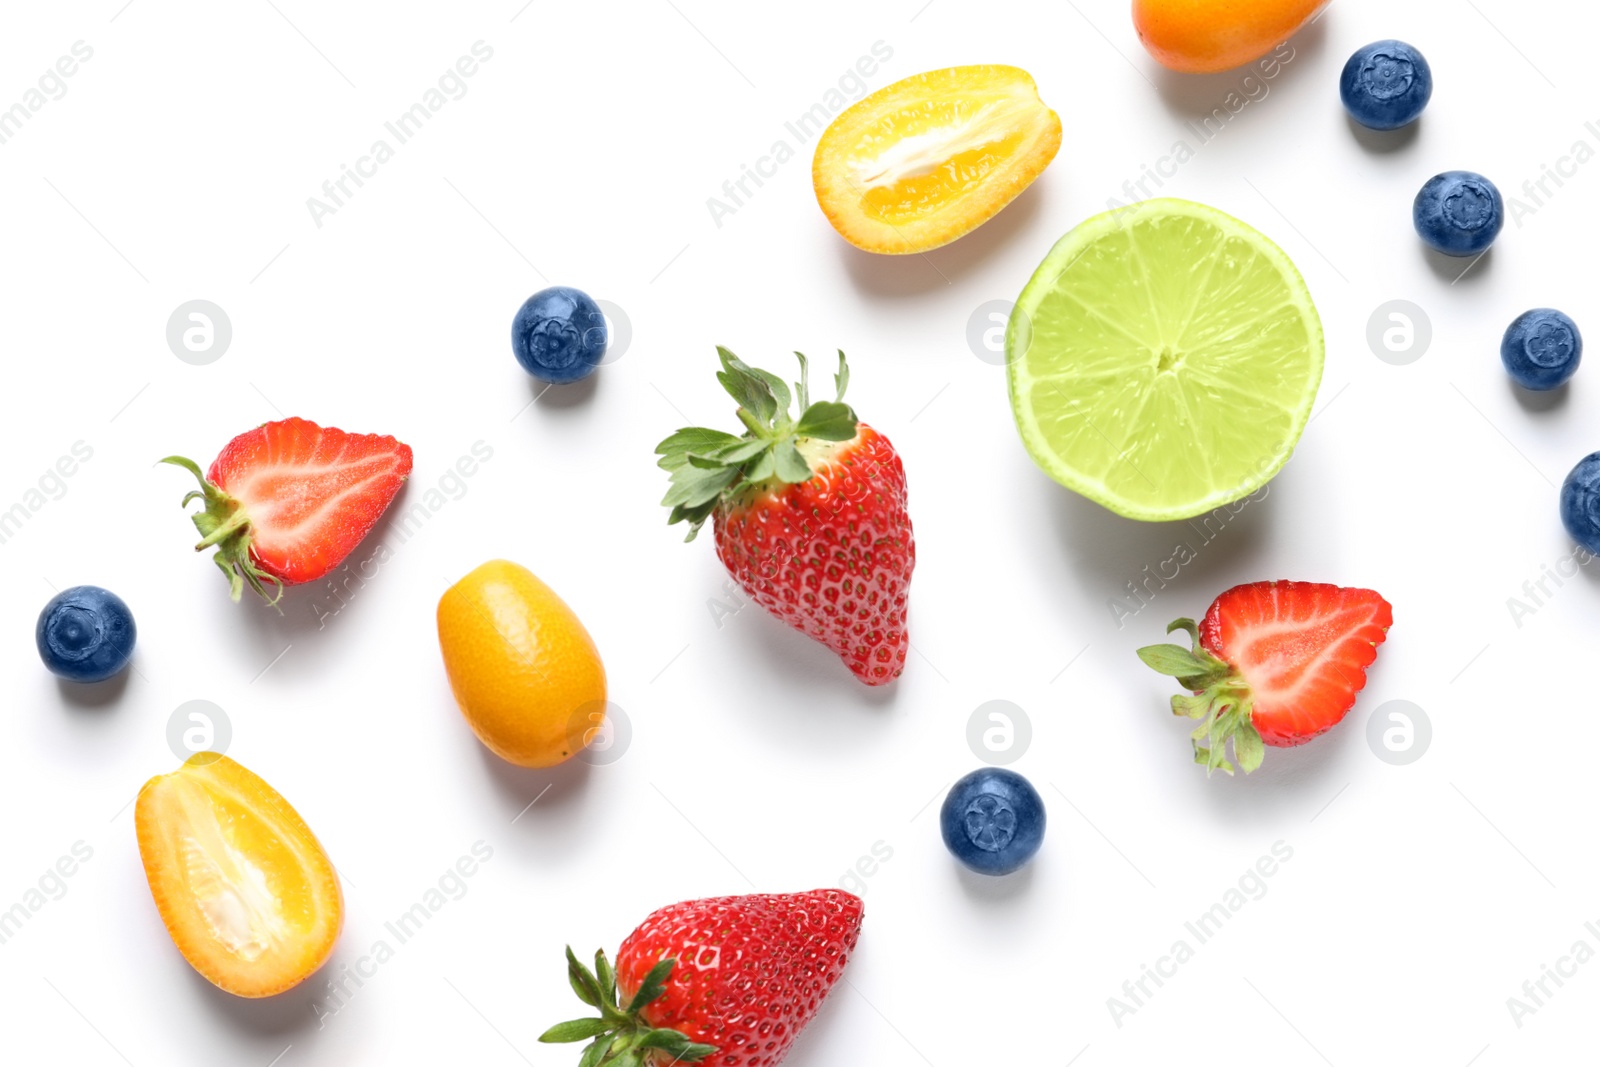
1163	360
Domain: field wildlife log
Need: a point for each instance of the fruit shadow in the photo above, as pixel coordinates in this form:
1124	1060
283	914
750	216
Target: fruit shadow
1384	142
890	276
1109	552
561	397
1538	401
92	696
305	613
798	664
994	891
1307	776
1590	574
1464	270
1195	96
816	1034
536	802
285	1017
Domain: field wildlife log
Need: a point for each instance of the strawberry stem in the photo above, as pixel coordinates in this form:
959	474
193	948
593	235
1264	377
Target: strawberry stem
1220	700
709	466
619	1037
223	523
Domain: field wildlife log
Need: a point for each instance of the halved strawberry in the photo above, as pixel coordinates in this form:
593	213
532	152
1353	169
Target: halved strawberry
1272	663
288	501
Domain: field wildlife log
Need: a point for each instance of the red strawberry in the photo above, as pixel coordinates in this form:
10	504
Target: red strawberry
1273	663
809	514
723	982
286	502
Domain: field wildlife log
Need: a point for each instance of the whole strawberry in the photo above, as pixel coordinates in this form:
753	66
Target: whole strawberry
809	514
723	982
1272	663
286	502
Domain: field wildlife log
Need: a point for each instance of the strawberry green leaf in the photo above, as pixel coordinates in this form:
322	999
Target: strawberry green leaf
760	469
607	977
842	379
674	451
827	420
777	387
789	464
750	391
583	984
692	485
666	1040
695	517
574	1030
1188	626
654	984
1248	748
1171	659
595	1052
737	451
676	1045
802	388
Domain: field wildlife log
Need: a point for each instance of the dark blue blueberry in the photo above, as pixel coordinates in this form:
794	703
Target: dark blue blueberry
559	335
85	634
1541	349
1386	85
992	820
1580	503
1458	213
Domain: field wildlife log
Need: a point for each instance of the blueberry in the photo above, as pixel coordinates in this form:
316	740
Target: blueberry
559	335
1580	502
992	820
1458	213
1541	349
85	634
1386	85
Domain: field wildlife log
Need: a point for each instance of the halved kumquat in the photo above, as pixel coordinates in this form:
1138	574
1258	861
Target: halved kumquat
245	889
930	158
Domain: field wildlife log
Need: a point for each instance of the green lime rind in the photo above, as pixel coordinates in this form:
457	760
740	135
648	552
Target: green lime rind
1163	360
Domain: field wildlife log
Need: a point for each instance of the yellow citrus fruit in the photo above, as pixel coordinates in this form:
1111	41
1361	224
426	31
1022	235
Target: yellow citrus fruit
244	887
933	156
1206	36
523	669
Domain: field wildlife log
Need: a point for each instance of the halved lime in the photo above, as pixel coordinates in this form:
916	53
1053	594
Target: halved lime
1163	360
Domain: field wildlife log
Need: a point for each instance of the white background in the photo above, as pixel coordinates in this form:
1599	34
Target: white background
177	166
